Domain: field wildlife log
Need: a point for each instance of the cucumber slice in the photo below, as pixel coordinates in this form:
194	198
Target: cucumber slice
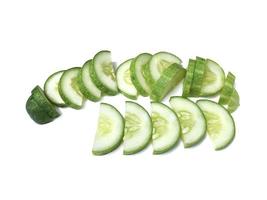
137	130
168	80
69	90
124	81
166	128
192	120
198	77
85	83
189	78
137	73
158	63
233	103
220	124
109	132
51	89
227	89
103	73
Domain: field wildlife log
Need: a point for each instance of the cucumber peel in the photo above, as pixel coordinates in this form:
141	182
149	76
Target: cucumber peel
227	89
198	76
189	78
234	102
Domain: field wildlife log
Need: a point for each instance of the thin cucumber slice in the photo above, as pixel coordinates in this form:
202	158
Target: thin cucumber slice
220	124
158	63
138	128
189	78
168	80
137	73
85	83
192	120
233	103
166	128
109	131
51	89
227	89
198	77
69	89
103	74
124	81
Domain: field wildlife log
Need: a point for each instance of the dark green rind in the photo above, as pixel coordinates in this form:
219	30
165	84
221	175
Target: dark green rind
134	78
168	80
44	103
98	83
148	75
198	77
234	102
228	89
86	93
189	78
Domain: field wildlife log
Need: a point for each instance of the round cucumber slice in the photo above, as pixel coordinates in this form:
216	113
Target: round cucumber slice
220	124
227	89
103	74
124	81
189	78
168	80
166	128
85	83
198	77
137	130
233	102
109	131
192	120
51	89
137	73
69	89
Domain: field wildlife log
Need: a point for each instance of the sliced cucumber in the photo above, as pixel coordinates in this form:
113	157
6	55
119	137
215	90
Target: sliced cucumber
124	81
158	63
85	83
198	77
168	80
166	128
109	131
103	74
137	73
189	77
233	102
51	89
138	128
192	120
220	124
69	89
227	89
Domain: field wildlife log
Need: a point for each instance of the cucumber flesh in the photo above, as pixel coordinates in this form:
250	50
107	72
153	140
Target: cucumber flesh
109	131
198	77
138	128
124	81
168	80
192	120
227	89
166	128
51	89
86	84
189	78
233	102
137	73
69	89
220	124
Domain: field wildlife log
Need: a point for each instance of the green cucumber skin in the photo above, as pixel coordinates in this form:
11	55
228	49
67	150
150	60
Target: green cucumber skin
86	93
65	99
228	88
175	73
150	81
198	77
189	78
135	81
233	105
56	104
128	96
44	103
97	81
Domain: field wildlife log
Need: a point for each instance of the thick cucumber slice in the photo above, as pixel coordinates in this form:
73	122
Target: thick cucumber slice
124	81
158	63
69	89
103	74
198	77
189	78
166	128
85	83
137	73
168	80
233	103
109	131
227	89
51	89
138	128
220	124
192	120
213	80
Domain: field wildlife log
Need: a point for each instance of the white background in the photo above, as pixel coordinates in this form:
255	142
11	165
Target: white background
54	161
